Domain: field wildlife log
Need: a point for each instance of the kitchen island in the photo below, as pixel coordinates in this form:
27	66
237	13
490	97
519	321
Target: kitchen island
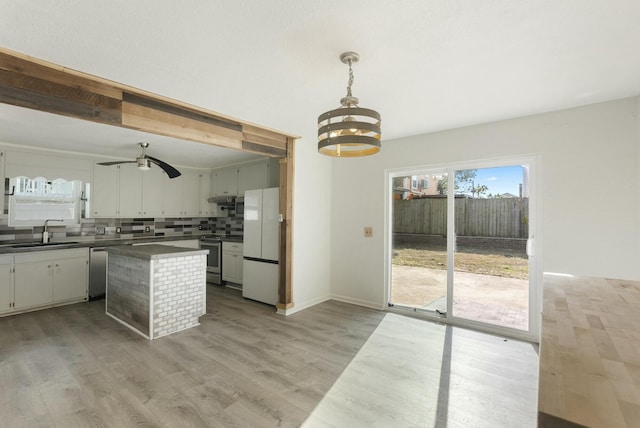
155	289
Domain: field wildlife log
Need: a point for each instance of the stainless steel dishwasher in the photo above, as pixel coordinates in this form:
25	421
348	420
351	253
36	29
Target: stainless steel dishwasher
97	273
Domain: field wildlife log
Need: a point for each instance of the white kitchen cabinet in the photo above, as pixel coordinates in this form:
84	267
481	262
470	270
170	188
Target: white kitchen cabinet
173	197
125	191
2	180
205	194
33	280
251	177
259	176
224	182
50	277
153	183
70	278
130	191
6	284
191	193
182	195
232	262
104	191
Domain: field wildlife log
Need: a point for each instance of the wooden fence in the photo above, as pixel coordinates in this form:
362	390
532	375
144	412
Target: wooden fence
501	218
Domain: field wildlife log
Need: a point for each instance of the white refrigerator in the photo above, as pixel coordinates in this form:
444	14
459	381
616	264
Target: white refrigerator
261	245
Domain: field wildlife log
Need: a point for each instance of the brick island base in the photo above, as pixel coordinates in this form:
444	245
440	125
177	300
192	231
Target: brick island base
156	290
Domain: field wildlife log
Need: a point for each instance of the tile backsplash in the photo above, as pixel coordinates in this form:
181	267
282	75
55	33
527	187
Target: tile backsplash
96	229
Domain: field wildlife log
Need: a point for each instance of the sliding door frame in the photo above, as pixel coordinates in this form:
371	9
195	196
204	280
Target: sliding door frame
534	244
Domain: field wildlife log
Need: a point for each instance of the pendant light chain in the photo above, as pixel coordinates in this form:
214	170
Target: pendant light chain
350	80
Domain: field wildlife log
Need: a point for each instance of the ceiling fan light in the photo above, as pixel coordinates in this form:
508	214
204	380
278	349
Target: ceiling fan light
144	164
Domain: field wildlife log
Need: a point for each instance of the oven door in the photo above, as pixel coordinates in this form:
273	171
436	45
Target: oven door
213	260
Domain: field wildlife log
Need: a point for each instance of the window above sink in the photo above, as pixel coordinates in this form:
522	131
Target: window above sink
34	200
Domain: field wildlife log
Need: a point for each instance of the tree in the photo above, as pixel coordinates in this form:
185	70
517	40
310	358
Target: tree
478	190
463	182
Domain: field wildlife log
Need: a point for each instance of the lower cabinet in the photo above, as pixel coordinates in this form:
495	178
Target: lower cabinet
232	262
50	277
6	284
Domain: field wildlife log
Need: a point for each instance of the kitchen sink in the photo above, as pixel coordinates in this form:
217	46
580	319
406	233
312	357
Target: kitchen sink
40	244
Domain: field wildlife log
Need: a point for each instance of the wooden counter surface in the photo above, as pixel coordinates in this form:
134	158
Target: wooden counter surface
590	353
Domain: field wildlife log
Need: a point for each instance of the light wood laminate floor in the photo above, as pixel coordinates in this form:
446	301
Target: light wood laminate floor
331	365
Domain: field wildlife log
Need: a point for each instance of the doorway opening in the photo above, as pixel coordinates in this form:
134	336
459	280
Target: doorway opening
461	245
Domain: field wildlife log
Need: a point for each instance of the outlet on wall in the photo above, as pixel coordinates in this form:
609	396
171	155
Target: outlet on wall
147	229
368	232
118	229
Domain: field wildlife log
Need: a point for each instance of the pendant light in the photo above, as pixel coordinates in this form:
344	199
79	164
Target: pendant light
349	131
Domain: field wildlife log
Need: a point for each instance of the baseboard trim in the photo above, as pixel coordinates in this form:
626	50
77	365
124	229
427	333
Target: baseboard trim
359	302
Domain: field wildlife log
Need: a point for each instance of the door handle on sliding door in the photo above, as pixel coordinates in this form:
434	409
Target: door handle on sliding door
530	246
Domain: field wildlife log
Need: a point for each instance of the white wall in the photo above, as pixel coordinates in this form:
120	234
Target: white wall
590	192
311	227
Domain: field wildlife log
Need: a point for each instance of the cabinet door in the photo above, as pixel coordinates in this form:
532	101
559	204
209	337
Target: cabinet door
70	279
2	180
225	182
191	194
228	266
33	283
153	182
205	193
239	268
252	177
6	287
232	267
173	197
130	194
104	191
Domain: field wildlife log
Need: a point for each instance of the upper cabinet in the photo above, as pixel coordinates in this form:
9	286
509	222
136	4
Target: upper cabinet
153	183
130	191
205	193
252	177
125	191
236	180
182	195
104	191
224	182
2	180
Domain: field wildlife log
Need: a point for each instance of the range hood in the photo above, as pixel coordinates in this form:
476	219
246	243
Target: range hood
222	200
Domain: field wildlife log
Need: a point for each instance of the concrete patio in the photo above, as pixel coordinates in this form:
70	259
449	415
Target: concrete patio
491	299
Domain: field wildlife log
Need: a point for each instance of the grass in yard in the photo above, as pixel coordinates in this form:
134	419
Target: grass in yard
466	260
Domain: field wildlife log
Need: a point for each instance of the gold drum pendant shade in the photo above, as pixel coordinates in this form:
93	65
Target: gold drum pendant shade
349	131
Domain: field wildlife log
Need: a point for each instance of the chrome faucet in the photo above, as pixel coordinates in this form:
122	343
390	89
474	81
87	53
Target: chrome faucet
45	232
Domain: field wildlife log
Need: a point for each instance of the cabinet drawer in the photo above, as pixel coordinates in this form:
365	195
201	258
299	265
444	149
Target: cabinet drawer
38	256
235	247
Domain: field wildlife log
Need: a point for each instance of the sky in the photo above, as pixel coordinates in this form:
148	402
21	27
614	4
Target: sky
506	179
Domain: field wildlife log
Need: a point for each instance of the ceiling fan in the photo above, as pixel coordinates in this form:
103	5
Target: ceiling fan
144	162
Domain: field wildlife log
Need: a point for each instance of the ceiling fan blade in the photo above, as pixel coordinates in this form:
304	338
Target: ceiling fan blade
114	163
171	171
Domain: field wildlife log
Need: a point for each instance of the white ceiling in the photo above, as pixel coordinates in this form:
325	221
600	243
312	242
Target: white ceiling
425	65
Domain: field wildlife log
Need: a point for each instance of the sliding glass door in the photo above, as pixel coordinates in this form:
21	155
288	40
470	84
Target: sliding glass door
419	262
490	262
460	243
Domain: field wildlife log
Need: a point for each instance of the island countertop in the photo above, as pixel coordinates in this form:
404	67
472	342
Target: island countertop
154	251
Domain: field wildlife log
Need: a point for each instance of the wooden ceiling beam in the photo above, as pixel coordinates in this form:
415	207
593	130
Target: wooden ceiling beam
35	84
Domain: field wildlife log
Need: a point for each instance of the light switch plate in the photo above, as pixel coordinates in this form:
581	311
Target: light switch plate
368	232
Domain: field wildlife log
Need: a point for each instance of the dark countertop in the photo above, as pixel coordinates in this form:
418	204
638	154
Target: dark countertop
26	247
154	251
